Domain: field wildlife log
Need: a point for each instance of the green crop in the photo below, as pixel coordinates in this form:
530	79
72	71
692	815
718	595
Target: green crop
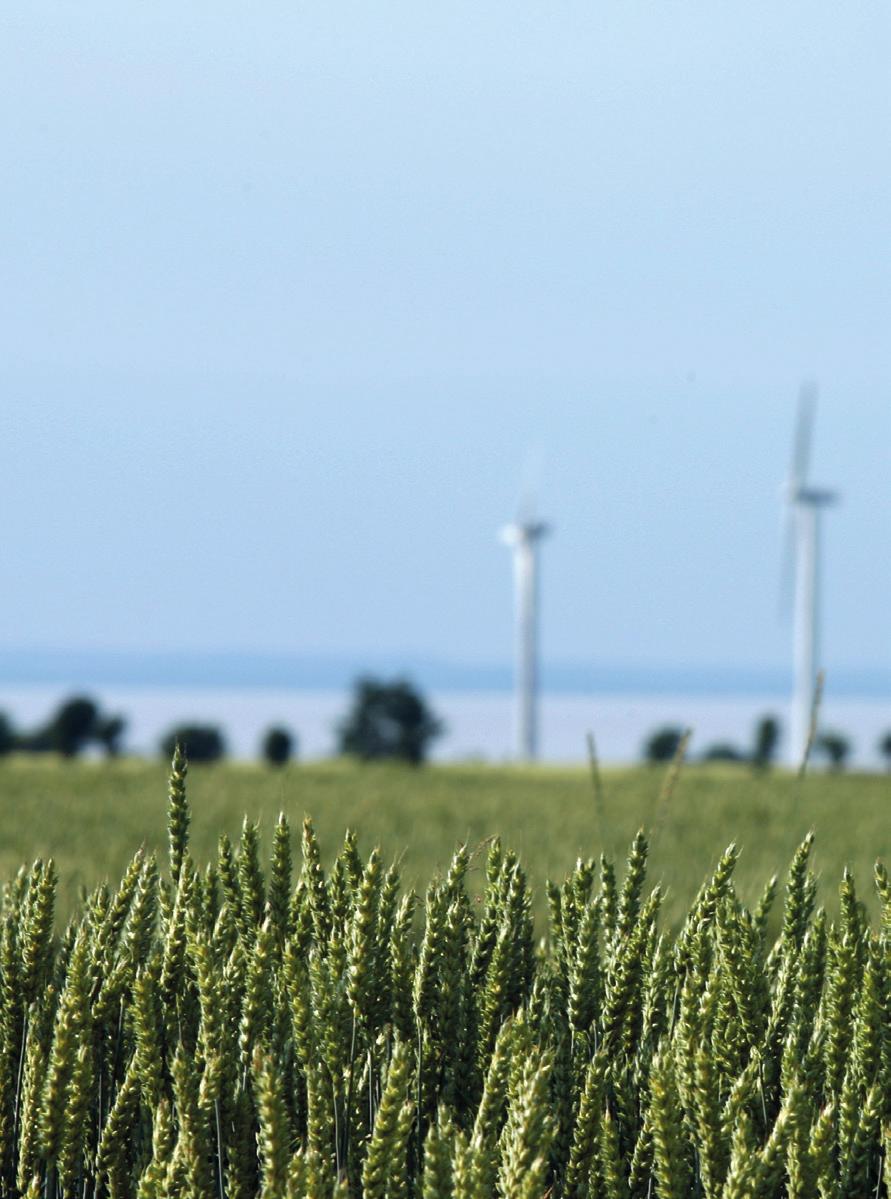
227	1031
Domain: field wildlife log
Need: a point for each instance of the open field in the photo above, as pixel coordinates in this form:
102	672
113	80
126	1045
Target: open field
92	816
252	1039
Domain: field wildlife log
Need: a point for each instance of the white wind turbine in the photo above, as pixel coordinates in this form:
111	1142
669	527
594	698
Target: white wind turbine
524	536
805	505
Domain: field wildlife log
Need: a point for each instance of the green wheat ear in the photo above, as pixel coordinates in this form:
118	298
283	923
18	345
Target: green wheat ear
385	1164
178	816
279	896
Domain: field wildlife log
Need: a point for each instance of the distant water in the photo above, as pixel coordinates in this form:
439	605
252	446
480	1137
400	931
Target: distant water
479	724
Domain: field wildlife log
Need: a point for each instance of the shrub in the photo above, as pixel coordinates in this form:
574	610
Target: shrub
201	742
109	731
723	751
223	1031
7	735
278	745
836	748
662	745
767	737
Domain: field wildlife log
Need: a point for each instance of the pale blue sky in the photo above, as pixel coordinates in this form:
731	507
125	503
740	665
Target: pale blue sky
292	293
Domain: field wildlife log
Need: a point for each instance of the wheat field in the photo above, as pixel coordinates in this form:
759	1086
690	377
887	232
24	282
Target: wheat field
90	816
224	1028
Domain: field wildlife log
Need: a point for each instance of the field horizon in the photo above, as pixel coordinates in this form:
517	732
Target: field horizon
92	816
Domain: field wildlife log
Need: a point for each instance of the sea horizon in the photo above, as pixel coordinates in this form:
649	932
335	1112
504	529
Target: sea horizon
79	668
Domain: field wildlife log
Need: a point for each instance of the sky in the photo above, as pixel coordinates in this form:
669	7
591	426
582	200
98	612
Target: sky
296	302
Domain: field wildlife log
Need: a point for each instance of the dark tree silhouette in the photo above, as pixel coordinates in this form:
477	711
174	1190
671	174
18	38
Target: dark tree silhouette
836	747
884	748
767	736
109	731
7	735
723	751
278	747
662	745
202	743
73	726
388	720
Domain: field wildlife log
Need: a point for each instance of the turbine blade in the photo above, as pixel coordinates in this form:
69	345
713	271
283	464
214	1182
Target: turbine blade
787	565
801	457
531	483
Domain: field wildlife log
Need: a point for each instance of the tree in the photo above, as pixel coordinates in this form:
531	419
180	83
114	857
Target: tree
201	742
76	723
662	745
837	749
73	726
7	735
278	746
767	736
109	731
388	720
884	748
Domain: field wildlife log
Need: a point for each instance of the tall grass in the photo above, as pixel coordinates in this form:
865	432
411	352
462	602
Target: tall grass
228	1031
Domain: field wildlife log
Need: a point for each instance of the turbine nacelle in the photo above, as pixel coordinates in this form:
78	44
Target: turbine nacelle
814	497
525	532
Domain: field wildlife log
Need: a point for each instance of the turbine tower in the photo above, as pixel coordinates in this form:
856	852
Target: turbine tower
805	506
523	536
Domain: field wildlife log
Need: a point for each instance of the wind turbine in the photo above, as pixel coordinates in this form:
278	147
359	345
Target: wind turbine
524	536
805	506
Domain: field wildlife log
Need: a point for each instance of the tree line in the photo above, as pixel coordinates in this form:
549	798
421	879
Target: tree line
833	746
386	720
